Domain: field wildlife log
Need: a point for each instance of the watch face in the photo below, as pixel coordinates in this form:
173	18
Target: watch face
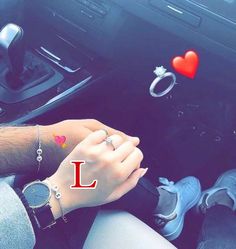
37	194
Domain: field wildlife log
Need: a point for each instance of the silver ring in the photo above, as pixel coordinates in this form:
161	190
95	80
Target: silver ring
107	134
162	73
109	142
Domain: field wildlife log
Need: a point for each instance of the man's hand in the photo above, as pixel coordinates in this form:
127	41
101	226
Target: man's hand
75	131
116	171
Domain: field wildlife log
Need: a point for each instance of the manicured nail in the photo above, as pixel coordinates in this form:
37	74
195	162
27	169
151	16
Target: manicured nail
135	139
144	172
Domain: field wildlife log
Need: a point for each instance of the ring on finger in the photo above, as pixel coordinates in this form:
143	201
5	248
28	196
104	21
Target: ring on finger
109	142
106	132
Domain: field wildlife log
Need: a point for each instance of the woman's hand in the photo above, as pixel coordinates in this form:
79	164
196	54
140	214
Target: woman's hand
116	171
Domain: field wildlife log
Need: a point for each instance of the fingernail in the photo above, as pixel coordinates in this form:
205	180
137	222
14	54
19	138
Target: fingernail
135	139
144	172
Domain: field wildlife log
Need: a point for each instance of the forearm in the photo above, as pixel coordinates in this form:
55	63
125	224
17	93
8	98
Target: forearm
18	146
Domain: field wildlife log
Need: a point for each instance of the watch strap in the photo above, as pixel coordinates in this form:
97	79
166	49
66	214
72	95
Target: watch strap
44	217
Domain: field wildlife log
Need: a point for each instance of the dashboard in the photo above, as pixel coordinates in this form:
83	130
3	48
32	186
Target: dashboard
96	23
210	23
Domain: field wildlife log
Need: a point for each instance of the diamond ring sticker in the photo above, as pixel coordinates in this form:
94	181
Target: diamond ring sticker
161	74
160	71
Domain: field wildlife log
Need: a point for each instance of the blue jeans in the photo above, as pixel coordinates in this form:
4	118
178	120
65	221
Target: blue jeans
219	229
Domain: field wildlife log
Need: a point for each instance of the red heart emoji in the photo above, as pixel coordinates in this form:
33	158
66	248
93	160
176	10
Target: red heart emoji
187	65
60	140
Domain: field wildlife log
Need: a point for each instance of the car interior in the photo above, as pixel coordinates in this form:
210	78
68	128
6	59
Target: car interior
78	59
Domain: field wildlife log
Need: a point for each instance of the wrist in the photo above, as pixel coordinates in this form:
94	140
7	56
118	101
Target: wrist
52	153
55	208
59	202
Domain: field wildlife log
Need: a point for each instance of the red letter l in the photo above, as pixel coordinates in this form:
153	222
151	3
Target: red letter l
78	184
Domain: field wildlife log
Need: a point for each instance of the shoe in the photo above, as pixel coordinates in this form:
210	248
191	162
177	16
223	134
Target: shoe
188	193
227	182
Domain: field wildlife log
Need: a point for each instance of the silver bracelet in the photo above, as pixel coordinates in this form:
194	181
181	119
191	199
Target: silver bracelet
55	189
39	150
58	196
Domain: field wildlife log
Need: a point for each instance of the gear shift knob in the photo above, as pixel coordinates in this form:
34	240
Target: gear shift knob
12	47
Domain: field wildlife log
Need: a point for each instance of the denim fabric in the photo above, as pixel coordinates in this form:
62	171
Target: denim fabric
16	230
8	179
219	229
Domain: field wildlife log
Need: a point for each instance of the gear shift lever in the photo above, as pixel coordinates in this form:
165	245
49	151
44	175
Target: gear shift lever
22	73
12	47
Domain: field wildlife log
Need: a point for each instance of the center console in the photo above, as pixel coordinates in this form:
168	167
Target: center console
93	24
222	8
65	50
209	23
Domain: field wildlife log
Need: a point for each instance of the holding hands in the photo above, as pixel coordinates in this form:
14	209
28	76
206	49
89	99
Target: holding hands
75	131
113	162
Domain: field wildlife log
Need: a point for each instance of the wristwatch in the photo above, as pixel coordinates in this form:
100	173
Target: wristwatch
38	195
